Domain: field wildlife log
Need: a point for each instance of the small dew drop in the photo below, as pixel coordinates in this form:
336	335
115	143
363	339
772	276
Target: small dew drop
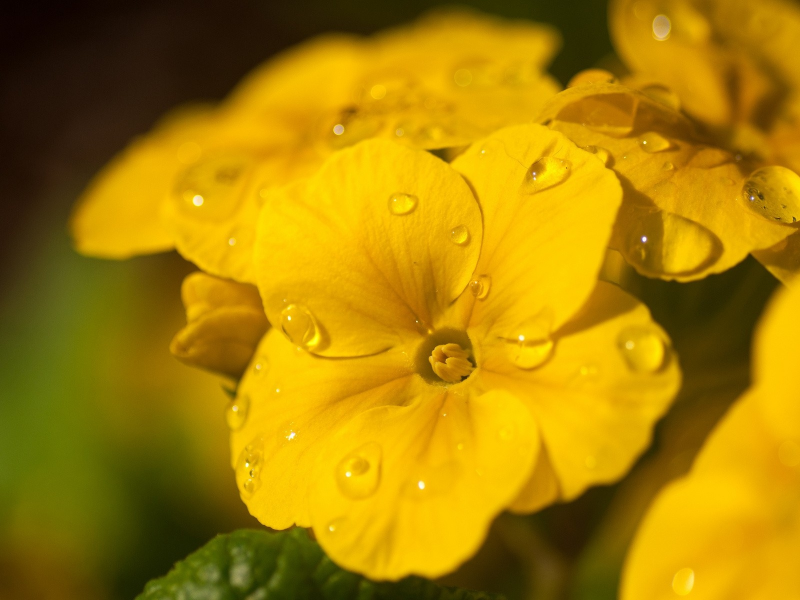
653	142
683	582
212	188
480	286
358	474
232	241
460	235
236	413
590	76
402	204
643	348
545	173
250	465
662	28
251	485
260	367
601	153
773	193
300	327
338	129
668	166
335	525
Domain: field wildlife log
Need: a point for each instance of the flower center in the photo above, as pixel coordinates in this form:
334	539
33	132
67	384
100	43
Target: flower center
450	362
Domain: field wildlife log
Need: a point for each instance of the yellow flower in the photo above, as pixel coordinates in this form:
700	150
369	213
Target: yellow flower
198	179
731	528
731	63
225	323
690	208
447	358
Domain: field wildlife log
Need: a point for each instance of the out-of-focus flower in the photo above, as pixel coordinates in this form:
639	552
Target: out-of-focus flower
684	214
198	179
445	359
732	527
731	63
225	323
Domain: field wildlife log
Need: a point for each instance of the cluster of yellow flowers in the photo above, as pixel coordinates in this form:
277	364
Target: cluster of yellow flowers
435	232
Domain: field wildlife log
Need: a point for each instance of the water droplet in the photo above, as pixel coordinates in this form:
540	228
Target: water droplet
654	142
335	525
261	366
426	481
358	474
480	286
789	453
592	76
251	485
231	241
300	327
213	188
545	173
529	345
683	582
460	235
402	204
643	348
662	28
601	153
668	244
288	433
774	193
668	166
662	95
250	465
338	129
378	91
236	413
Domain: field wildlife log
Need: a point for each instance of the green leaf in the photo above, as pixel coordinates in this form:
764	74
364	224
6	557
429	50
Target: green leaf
260	565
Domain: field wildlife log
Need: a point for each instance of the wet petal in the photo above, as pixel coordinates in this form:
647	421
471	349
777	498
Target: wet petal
537	227
609	377
782	259
371	249
296	402
449	464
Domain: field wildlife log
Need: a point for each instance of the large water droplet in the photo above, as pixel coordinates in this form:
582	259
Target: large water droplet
250	465
592	76
643	348
213	188
667	244
300	326
530	345
236	413
654	142
402	204
358	474
480	286
545	173
460	235
774	193
683	582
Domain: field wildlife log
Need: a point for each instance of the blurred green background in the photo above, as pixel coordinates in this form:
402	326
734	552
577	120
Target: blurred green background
113	456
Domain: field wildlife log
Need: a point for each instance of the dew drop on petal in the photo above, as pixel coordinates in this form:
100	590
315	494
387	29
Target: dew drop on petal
774	193
480	286
260	366
601	153
300	326
683	582
250	466
213	188
662	95
653	142
643	348
358	474
460	235
335	525
662	28
545	173
668	166
592	76
251	485
236	413
402	204
667	244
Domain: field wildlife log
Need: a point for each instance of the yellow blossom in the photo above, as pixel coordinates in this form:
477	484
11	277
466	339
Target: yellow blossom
731	528
442	349
225	324
690	208
731	65
198	179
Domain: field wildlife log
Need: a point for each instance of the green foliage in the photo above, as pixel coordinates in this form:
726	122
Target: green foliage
259	565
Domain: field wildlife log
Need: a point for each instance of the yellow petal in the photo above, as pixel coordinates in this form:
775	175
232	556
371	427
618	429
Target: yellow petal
684	213
540	490
369	251
296	402
225	322
725	530
118	215
782	259
446	465
536	231
609	377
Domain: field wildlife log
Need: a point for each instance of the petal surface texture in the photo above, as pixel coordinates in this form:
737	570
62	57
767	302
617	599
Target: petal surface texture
372	249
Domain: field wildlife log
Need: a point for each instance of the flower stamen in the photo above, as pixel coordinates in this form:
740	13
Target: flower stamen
450	362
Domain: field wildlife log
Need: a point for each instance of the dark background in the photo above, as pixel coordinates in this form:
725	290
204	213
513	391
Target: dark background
113	458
